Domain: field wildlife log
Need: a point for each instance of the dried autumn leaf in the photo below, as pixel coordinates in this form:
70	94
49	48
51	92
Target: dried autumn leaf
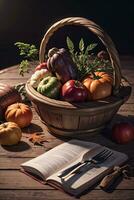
37	139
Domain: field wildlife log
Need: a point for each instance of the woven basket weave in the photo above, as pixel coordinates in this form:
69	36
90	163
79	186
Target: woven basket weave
64	118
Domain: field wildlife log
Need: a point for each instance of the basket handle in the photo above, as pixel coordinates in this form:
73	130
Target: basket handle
97	30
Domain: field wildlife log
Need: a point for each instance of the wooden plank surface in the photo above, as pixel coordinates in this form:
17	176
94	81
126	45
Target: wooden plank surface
17	180
57	195
17	186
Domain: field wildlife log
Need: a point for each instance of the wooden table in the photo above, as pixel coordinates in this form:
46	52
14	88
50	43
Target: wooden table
16	185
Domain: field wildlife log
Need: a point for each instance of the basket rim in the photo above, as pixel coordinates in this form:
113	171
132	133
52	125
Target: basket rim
99	104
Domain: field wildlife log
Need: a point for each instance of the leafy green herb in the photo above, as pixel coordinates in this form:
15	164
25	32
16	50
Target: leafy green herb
29	53
85	60
70	45
91	47
24	67
27	50
81	45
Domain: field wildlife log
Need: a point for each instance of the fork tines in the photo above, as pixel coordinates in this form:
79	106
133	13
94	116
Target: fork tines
105	154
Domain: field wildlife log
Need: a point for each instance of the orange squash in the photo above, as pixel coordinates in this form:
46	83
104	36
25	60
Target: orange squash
99	86
10	133
19	113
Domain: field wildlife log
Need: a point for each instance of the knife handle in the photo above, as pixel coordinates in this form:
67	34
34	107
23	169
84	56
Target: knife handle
68	170
108	180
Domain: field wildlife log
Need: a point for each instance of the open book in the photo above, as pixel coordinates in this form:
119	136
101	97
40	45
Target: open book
49	165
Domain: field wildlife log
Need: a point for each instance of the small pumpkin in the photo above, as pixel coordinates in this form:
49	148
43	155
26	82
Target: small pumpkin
8	96
99	86
38	76
19	113
61	64
10	133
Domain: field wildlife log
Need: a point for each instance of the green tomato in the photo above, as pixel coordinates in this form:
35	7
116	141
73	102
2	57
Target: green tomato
50	87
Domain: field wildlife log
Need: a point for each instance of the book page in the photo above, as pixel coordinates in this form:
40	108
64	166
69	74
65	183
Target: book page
57	158
89	174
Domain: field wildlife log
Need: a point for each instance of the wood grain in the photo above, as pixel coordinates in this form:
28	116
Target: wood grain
18	180
17	186
15	179
57	195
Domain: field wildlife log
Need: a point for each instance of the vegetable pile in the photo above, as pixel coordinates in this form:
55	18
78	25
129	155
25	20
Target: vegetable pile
14	115
66	75
74	76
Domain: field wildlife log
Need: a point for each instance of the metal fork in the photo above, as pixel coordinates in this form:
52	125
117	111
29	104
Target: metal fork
97	159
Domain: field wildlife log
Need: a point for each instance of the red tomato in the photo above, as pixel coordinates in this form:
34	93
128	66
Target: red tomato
41	66
123	132
74	91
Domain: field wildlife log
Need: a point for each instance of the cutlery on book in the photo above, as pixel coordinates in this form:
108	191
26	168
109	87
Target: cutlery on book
97	159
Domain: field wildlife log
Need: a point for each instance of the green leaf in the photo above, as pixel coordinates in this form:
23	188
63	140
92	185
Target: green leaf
85	60
90	47
81	45
27	51
24	67
70	45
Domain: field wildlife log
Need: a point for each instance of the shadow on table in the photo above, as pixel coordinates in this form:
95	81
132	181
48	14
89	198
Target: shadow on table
106	132
111	189
32	128
21	146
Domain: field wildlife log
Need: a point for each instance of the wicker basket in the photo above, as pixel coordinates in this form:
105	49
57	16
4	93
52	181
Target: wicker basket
64	118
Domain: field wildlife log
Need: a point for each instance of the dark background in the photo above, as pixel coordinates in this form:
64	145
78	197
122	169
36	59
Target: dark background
27	21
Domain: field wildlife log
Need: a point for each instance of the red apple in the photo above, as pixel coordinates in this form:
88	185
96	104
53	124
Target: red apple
123	132
41	66
74	91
